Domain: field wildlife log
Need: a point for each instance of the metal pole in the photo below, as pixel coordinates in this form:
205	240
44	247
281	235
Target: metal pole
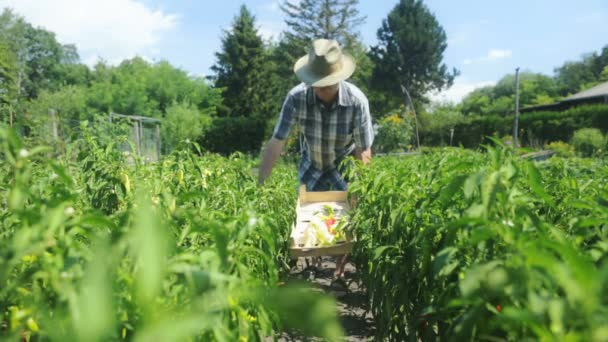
158	142
516	123
451	135
53	123
411	105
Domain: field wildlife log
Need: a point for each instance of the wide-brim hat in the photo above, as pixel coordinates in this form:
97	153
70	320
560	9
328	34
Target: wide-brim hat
325	64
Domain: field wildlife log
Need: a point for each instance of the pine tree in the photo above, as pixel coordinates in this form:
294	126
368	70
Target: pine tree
329	19
410	54
241	70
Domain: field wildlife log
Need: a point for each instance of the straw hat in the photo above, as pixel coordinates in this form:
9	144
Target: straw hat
324	65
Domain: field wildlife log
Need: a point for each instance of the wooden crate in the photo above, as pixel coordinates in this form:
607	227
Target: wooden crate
309	199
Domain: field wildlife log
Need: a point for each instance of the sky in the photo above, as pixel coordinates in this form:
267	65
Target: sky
486	38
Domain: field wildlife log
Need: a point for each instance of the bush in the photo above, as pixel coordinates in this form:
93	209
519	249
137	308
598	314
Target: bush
588	142
183	122
227	135
395	133
561	148
535	127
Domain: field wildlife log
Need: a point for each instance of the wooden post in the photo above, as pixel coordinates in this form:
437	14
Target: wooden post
53	119
136	135
516	122
411	105
158	145
451	135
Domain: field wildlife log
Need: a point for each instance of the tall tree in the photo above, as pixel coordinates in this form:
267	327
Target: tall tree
409	53
575	76
241	70
534	89
8	74
329	19
39	55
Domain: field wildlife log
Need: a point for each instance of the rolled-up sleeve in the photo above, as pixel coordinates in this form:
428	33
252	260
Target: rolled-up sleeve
363	132
286	119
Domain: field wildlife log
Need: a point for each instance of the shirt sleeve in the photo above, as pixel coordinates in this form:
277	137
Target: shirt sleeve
286	119
363	132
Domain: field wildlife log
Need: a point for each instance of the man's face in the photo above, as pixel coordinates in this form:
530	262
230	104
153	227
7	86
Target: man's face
327	94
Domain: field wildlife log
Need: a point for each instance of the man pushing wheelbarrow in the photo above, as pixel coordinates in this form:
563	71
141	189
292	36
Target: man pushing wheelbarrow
333	118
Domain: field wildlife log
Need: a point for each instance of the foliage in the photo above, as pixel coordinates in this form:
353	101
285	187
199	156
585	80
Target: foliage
8	74
395	132
39	56
241	70
330	19
436	123
183	122
589	142
410	54
190	248
458	245
534	89
561	148
540	127
231	134
574	76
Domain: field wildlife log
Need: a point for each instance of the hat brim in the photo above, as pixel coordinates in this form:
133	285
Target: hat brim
306	75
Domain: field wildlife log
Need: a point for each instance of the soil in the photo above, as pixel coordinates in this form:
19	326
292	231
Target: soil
356	321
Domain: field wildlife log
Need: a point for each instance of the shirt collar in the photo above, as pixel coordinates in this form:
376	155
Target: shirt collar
345	98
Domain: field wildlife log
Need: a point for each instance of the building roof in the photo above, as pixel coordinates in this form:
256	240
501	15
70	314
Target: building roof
597	91
597	94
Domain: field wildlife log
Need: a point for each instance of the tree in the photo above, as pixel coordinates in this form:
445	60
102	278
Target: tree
38	54
183	122
241	70
8	74
534	89
575	76
329	19
409	53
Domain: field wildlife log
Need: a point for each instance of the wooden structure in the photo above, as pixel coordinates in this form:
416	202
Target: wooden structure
310	202
145	135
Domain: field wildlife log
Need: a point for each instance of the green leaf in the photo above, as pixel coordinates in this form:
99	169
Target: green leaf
536	185
453	187
444	264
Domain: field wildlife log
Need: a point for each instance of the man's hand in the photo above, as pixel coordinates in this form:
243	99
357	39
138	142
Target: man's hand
363	155
272	152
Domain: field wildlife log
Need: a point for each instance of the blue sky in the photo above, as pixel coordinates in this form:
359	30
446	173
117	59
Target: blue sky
486	39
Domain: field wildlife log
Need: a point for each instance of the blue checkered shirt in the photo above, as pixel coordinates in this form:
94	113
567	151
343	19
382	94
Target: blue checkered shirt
328	135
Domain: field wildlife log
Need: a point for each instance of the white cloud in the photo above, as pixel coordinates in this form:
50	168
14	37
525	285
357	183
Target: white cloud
275	5
492	55
458	38
270	30
272	6
498	54
108	29
459	90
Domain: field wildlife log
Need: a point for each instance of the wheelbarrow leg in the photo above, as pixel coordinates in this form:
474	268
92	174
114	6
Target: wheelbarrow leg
340	265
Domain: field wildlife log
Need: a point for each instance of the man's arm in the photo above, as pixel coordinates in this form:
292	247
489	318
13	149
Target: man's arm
363	155
272	152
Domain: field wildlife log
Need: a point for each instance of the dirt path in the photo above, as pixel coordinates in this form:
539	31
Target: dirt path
358	325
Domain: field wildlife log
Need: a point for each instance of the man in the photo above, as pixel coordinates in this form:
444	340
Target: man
334	120
333	116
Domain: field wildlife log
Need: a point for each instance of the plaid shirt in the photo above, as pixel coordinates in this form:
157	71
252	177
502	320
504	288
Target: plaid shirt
328	135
